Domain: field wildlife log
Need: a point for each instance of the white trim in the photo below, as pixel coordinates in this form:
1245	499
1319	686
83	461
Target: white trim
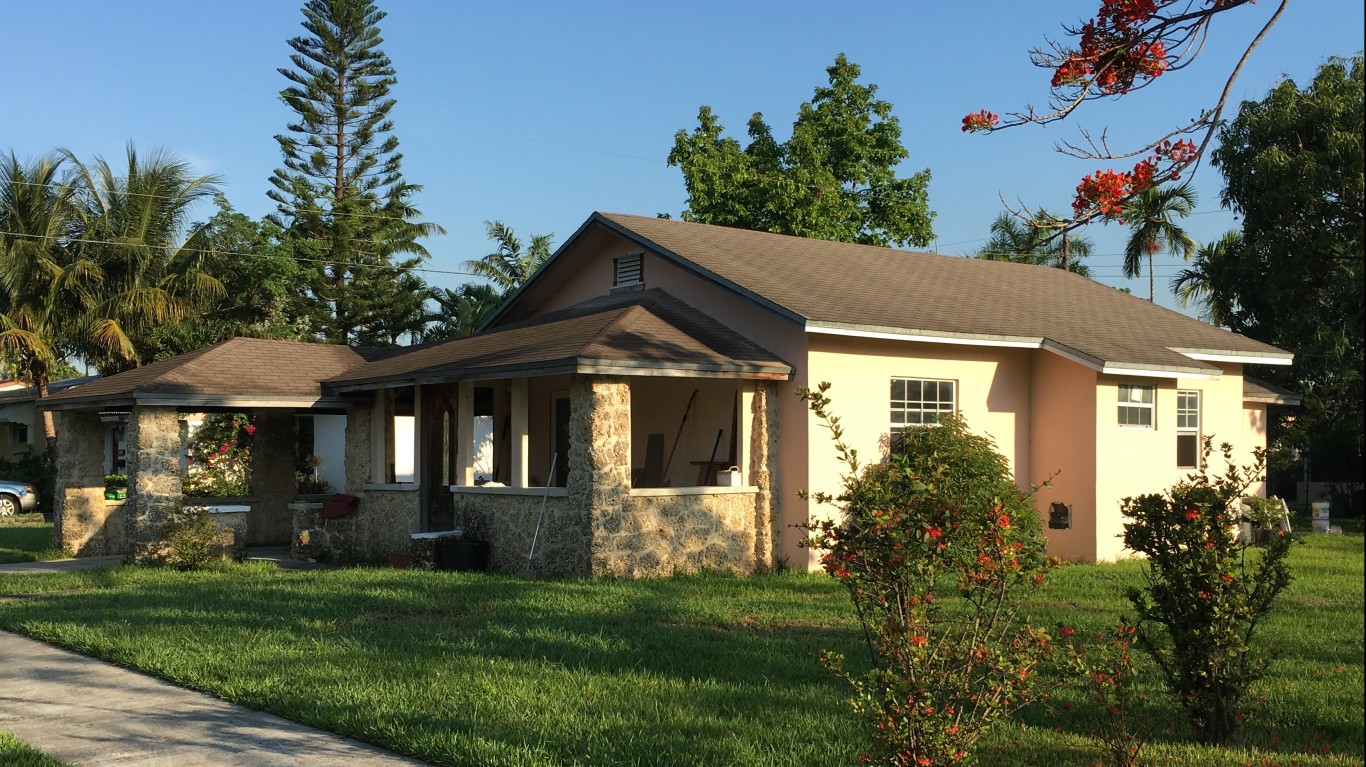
897	335
1150	373
533	492
673	492
1250	359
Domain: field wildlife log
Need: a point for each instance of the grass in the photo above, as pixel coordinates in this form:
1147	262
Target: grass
464	669
15	754
27	538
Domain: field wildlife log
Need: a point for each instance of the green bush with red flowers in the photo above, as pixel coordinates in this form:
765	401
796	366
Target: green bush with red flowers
941	521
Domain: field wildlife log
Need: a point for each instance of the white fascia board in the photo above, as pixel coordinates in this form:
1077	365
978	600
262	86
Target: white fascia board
892	334
1246	359
1184	374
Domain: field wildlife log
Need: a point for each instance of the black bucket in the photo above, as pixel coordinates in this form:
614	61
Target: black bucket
466	556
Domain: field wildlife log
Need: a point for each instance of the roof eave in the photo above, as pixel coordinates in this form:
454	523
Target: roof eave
168	399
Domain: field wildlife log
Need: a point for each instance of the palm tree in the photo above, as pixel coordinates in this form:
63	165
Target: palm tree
509	267
146	276
1152	228
461	312
1035	242
41	287
1198	282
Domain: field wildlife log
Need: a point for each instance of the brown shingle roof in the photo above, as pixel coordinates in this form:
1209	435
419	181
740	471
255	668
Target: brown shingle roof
239	368
861	287
1261	391
644	330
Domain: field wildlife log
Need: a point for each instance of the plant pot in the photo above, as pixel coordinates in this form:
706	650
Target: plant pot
462	555
402	561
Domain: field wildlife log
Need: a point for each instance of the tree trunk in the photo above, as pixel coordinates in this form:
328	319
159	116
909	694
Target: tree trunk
49	424
1150	277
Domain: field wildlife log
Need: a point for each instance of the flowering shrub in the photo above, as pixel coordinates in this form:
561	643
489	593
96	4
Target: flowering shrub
937	547
218	457
1106	667
1205	592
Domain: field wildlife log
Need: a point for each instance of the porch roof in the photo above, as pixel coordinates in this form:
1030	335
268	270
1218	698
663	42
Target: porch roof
240	372
642	333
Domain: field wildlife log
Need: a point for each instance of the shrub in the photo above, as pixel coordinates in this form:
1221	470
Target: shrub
1107	670
189	540
113	481
33	468
942	521
218	457
1205	591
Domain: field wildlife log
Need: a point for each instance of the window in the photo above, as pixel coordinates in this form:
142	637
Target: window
628	270
1188	430
1136	406
917	402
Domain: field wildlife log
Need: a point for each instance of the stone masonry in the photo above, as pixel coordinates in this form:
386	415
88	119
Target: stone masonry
382	525
154	491
357	450
84	524
763	444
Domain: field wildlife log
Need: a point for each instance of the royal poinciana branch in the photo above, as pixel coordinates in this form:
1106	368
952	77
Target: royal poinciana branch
1126	47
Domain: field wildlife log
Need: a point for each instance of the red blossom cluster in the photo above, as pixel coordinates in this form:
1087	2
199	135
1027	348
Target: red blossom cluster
1113	50
980	121
1106	190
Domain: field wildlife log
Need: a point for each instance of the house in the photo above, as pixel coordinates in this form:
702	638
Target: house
647	355
21	427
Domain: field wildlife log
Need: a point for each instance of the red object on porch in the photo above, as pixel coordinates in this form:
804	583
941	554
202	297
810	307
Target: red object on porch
340	505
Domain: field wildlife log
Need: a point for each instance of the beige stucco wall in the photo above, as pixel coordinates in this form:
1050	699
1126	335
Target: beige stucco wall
1254	437
1063	447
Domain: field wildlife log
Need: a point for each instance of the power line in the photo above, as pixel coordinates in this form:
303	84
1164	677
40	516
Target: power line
211	251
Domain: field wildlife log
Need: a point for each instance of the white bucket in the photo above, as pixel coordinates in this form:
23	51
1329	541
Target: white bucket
728	477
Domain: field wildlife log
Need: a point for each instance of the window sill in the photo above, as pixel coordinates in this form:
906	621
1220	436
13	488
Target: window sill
555	492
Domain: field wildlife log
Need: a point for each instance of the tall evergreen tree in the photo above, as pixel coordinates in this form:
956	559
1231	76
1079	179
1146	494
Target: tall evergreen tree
341	195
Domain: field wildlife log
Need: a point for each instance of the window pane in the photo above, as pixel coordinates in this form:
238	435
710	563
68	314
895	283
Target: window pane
946	392
898	389
1187	451
898	416
914	390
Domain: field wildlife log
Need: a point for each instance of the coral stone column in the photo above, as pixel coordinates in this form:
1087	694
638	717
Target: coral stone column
154	491
270	521
359	447
79	512
763	468
599	452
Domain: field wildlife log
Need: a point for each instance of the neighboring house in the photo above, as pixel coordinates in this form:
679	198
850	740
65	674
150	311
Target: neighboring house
648	354
21	426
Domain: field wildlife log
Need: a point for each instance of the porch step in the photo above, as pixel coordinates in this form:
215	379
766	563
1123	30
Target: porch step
279	555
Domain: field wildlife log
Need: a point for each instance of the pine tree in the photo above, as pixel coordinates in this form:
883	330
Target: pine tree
341	195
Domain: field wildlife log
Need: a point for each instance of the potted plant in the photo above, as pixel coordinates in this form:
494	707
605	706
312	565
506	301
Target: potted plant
115	487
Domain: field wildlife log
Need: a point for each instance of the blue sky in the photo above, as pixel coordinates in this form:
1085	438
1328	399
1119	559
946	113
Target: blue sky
538	113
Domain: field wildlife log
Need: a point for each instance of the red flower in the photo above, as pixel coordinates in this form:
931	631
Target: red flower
251	429
1003	520
1193	514
1067	631
934	533
979	121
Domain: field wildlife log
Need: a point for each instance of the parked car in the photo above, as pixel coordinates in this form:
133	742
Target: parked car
17	498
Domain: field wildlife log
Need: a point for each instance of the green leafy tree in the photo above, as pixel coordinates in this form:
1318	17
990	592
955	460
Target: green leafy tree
1151	216
1293	166
263	286
1032	242
834	179
145	266
341	195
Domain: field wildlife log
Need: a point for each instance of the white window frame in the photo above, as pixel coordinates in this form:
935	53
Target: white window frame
1185	428
903	406
1126	400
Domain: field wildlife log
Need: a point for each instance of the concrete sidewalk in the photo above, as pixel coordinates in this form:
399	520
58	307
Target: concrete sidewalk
61	565
94	714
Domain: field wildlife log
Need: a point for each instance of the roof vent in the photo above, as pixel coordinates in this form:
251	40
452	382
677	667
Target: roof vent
628	271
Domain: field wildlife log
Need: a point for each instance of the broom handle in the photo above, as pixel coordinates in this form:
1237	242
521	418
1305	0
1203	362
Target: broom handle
665	475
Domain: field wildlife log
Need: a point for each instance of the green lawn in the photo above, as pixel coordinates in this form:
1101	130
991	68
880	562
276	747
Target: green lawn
461	669
16	754
26	538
